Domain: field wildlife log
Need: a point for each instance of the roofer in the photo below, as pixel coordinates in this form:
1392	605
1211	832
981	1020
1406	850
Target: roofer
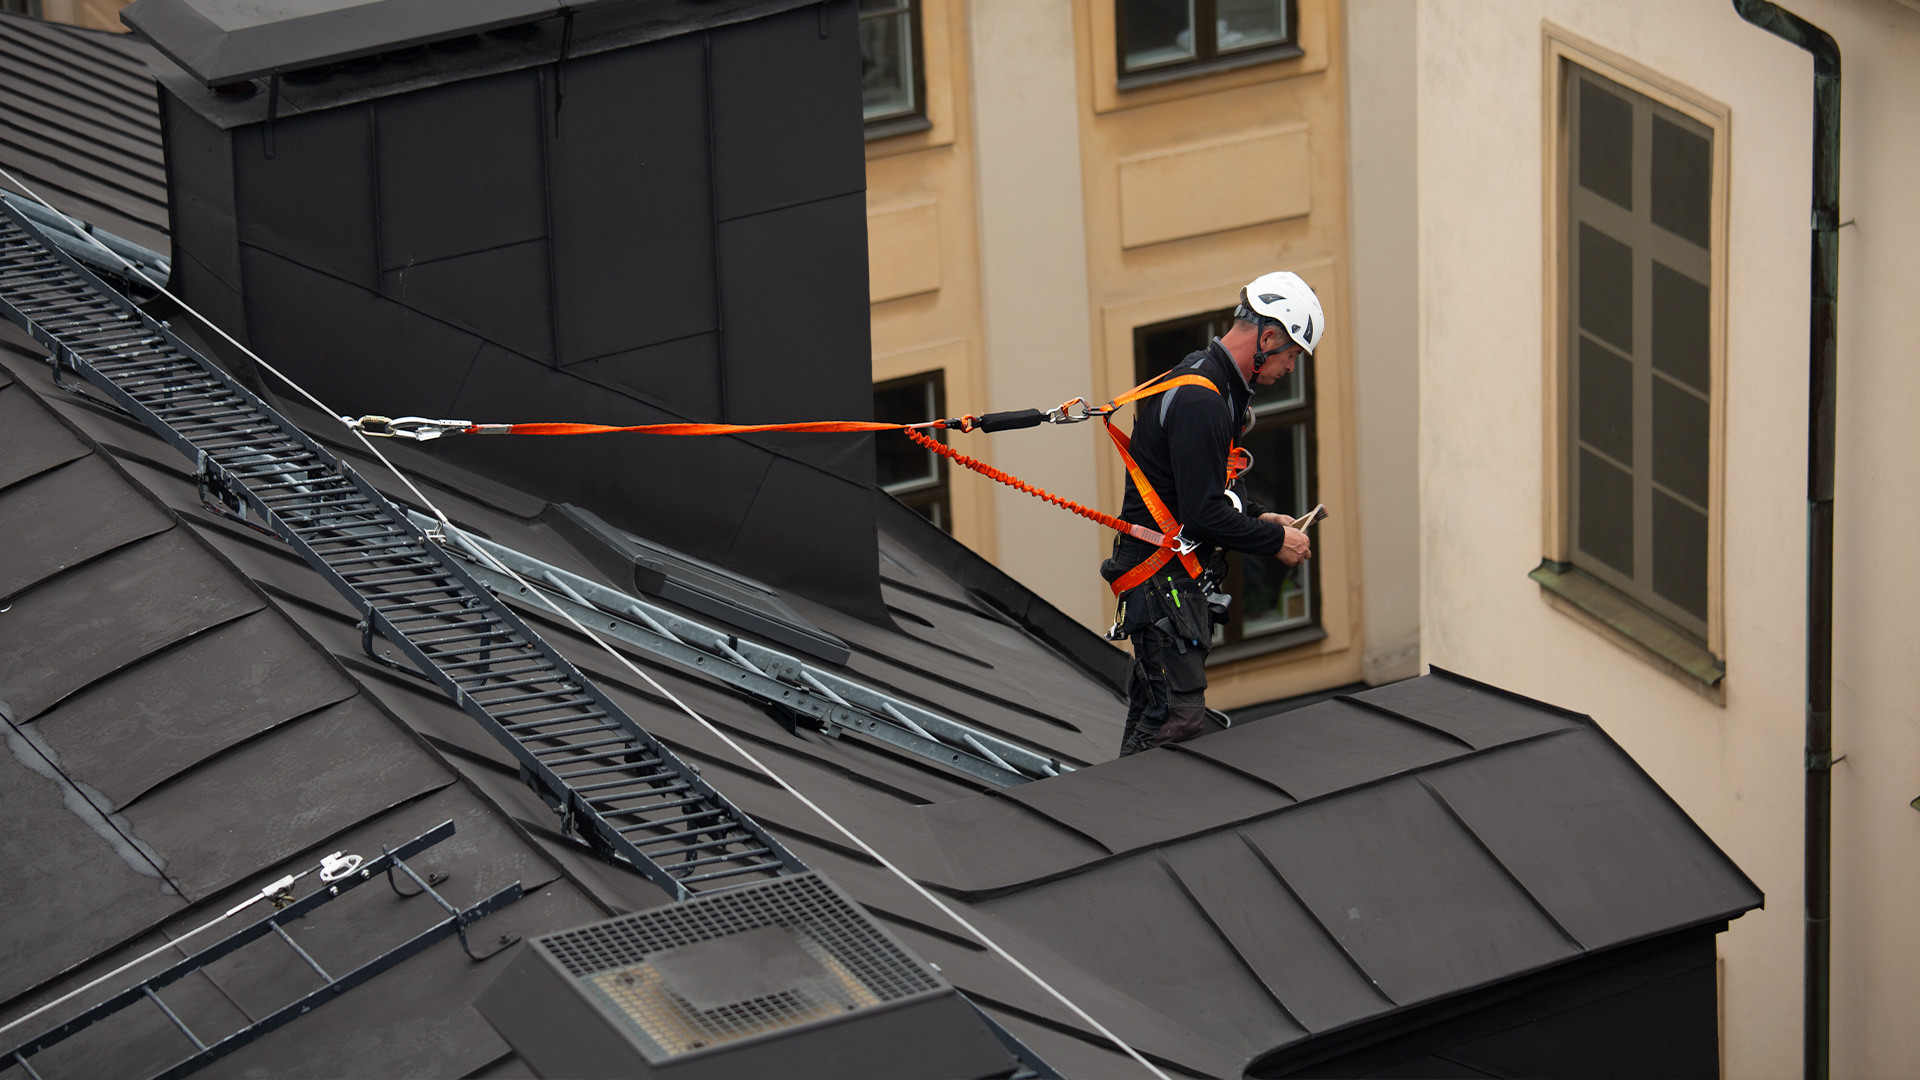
1182	440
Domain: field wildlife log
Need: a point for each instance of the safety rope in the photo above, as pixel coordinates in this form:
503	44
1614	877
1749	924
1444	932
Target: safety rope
1168	537
1139	531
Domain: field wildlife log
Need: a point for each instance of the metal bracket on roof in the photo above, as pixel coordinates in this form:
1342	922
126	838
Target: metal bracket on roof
455	924
217	494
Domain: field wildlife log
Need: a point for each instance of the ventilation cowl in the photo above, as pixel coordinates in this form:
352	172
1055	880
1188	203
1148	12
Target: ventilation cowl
786	977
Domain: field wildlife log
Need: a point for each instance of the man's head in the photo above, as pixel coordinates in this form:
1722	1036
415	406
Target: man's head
1278	319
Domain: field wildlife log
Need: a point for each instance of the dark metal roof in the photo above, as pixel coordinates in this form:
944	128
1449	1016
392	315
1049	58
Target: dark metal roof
1246	891
174	740
189	713
81	124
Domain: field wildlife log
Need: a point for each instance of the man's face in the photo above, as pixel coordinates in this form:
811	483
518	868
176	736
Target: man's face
1280	364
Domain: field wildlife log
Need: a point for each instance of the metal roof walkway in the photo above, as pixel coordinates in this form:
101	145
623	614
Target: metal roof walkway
614	785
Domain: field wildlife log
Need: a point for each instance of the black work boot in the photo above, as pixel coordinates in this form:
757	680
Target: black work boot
1183	723
1139	737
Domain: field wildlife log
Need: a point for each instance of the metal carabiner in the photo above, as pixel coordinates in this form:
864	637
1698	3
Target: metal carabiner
416	428
1063	413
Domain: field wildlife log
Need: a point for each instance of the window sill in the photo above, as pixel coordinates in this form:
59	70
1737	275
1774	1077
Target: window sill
1261	646
899	125
1643	632
1140	80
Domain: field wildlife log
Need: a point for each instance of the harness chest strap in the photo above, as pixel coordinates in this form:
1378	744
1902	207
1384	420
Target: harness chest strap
1156	506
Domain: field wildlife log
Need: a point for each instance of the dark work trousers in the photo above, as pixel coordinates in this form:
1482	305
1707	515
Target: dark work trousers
1166	619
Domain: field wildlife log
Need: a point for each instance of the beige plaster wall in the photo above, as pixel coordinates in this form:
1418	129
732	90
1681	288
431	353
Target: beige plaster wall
1735	767
923	257
1381	132
1046	213
1034	300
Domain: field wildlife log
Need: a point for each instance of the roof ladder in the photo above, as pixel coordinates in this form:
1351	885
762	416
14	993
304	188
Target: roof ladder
287	911
614	785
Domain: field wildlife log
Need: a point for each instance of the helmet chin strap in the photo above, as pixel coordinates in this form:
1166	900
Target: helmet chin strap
1260	355
1261	322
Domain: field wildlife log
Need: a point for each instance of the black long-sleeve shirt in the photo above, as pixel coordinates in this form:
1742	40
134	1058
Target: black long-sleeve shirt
1180	440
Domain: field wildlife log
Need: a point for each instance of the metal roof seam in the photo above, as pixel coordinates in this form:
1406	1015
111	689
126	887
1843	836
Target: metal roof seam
1481	843
100	818
41	474
1227	940
1543	706
1382	710
1332	938
218	757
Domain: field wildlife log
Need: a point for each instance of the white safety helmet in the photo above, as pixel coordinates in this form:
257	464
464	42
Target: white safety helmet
1282	298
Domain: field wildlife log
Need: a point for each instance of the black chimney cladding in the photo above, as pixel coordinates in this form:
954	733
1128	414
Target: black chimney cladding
609	212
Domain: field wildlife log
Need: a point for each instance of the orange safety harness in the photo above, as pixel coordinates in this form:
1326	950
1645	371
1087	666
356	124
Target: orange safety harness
1167	538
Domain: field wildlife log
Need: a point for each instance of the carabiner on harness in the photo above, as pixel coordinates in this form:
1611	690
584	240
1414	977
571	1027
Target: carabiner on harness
1064	413
416	428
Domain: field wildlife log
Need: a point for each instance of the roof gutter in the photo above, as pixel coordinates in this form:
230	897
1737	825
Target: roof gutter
1824	288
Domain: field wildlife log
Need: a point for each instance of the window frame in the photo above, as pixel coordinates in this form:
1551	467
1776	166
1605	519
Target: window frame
937	492
1614	611
915	118
1207	58
1231	642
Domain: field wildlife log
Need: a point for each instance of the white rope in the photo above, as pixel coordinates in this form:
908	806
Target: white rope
712	728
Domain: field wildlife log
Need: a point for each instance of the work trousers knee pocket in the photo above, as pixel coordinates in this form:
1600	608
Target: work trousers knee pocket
1181	674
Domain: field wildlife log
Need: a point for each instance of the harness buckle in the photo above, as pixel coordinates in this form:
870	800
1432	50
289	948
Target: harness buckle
1182	545
1064	413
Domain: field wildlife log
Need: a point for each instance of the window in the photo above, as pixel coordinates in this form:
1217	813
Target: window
892	88
21	7
1179	37
908	471
1638	373
1269	599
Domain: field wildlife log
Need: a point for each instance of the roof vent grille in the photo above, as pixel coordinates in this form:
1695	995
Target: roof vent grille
752	978
737	964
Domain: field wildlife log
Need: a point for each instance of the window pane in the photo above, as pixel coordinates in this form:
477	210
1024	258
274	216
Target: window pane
1606	401
1271	597
1606	513
1605	287
1278	478
1680	328
1156	32
1680	554
1682	181
886	64
904	465
1680	441
1249	24
1606	144
1161	347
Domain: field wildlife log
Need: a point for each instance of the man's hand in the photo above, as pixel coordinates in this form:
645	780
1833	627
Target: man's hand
1278	519
1296	549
